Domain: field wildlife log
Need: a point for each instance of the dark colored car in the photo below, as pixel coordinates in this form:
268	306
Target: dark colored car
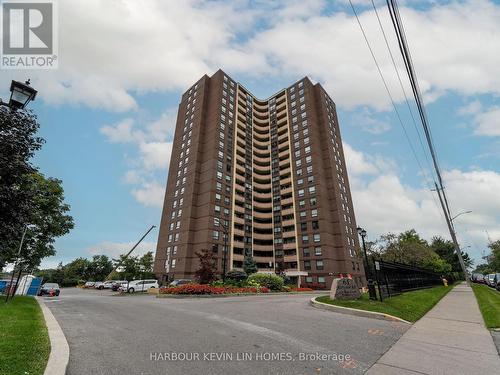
48	287
116	285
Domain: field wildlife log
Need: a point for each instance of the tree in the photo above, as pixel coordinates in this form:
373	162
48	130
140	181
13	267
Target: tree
446	250
484	269
18	143
146	263
494	259
207	270
129	267
249	265
99	268
409	248
78	269
26	196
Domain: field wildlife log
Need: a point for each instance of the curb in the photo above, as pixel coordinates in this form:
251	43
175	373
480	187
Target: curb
195	296
59	348
357	312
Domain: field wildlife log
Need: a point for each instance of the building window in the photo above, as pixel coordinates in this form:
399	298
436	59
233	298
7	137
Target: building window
215	235
306	252
321	279
317	250
319	265
307	264
317	237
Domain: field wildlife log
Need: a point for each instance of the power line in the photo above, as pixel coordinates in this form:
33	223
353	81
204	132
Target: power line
405	52
387	88
429	179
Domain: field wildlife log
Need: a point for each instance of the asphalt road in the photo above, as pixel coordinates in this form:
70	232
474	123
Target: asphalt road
141	334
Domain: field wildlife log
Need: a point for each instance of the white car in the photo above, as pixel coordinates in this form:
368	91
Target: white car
139	286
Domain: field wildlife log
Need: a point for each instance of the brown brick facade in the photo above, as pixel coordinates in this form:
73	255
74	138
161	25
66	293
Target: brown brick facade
270	171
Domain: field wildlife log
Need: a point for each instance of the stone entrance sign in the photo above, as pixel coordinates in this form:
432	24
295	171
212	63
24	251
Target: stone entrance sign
344	288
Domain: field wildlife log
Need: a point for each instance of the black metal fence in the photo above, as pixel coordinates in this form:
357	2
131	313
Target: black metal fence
395	278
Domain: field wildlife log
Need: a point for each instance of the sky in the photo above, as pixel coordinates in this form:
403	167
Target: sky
108	112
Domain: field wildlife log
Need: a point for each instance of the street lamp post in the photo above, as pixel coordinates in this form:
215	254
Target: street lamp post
368	273
225	230
20	95
10	289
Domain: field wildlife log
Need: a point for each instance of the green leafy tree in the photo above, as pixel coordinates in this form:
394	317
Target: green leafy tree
446	250
146	263
249	265
26	195
207	269
484	269
76	270
99	268
494	259
129	267
18	144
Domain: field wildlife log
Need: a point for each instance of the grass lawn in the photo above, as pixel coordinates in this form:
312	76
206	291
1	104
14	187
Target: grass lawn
410	306
24	341
489	304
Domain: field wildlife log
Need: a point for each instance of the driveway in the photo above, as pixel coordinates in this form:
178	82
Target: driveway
268	334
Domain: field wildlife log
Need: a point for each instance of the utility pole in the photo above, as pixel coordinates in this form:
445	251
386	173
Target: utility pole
453	235
15	264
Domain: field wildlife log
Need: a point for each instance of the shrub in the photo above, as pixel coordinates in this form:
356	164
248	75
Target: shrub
273	282
236	275
301	289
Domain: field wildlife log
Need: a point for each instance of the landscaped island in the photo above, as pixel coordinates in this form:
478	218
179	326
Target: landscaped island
236	283
410	306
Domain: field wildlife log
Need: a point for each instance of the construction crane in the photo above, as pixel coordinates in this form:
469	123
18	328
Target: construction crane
130	252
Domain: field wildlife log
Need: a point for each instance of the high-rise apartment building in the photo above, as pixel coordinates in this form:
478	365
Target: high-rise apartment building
268	174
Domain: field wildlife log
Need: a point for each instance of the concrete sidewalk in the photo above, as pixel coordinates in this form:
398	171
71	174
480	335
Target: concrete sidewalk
449	339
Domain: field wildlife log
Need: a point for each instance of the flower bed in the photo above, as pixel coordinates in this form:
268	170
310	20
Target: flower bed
201	289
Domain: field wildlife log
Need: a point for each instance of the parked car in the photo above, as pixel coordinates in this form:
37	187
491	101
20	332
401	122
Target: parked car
477	278
180	282
98	284
139	286
47	288
497	284
108	284
118	284
490	280
89	284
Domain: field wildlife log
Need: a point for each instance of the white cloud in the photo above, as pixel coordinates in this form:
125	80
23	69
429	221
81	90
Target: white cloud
111	51
155	155
152	153
114	249
470	108
488	122
383	203
150	194
366	119
120	132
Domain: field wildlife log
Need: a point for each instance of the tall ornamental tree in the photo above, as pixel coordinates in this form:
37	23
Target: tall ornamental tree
27	197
